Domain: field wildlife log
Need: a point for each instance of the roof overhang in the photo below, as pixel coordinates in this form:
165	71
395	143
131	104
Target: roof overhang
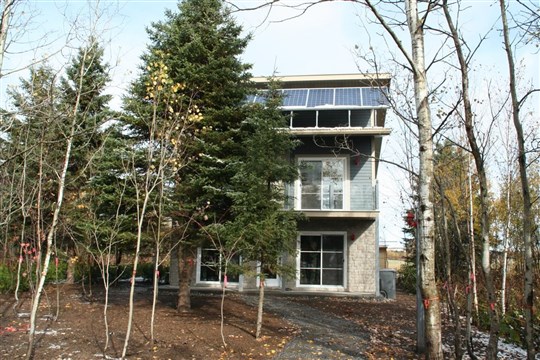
325	81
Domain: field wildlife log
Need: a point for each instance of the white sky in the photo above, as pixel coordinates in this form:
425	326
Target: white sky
319	42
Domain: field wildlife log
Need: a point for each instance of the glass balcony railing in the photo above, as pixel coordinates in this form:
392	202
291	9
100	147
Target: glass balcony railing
362	198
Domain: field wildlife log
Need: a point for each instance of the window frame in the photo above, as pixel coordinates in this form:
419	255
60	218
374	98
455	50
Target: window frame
346	182
321	286
220	273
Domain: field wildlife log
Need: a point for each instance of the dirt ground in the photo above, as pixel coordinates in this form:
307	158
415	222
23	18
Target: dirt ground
390	324
78	332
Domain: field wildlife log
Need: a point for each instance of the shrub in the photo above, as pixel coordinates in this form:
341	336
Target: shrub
57	271
512	327
7	279
119	272
146	271
406	280
8	275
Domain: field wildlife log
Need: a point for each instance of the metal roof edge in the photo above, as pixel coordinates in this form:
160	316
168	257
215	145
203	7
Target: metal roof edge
381	79
318	77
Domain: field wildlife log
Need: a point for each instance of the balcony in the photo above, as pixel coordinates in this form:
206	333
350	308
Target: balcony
361	202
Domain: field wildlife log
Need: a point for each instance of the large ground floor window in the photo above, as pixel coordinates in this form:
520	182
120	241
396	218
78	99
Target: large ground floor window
322	259
211	266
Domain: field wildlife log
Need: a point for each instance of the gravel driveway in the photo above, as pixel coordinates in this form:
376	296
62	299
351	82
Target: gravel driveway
322	336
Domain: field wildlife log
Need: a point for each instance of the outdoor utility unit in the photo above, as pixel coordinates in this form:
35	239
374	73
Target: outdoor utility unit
387	282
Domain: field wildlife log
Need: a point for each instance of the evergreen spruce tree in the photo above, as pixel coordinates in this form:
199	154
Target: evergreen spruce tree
266	230
33	150
200	45
46	106
161	122
89	75
49	121
83	96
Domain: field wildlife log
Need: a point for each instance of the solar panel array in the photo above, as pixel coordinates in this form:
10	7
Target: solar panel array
310	98
348	96
295	97
320	97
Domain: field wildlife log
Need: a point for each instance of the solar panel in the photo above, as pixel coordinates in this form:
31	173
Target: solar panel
343	97
373	97
385	95
348	96
250	99
260	98
319	97
295	97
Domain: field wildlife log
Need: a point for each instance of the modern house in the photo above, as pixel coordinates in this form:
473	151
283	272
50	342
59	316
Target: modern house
340	122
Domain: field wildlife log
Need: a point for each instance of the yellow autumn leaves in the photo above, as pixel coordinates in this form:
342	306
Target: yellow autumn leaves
159	80
161	89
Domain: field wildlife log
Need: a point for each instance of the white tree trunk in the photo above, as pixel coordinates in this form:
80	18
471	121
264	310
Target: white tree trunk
472	246
222	307
426	222
141	212
7	8
58	206
155	279
155	275
260	308
50	237
479	160
505	243
528	294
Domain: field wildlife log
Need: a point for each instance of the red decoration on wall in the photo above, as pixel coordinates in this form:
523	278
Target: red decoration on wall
353	236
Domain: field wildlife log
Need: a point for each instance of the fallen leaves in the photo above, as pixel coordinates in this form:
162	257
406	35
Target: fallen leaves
15	327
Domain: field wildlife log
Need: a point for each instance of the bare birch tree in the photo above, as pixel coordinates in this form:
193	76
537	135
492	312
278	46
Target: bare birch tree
468	119
17	18
105	236
6	8
60	118
166	125
416	61
51	231
517	104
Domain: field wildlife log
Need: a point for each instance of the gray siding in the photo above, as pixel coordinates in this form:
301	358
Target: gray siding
360	167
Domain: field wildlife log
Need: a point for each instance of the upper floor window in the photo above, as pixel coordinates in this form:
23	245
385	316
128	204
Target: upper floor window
322	183
329	118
